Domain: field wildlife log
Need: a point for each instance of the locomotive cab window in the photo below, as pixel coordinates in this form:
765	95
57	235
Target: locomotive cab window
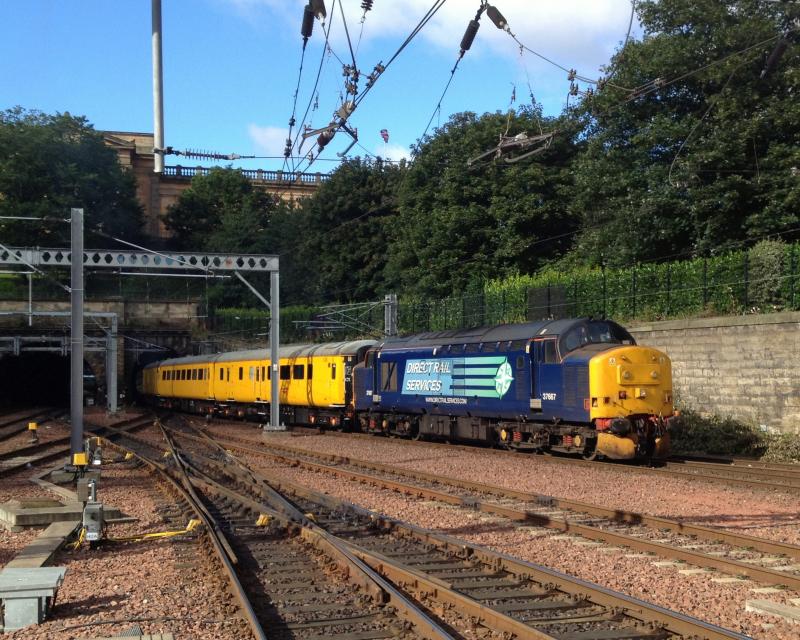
297	372
389	376
285	372
549	353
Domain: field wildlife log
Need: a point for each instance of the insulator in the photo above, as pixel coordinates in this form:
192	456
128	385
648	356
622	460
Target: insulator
324	138
366	5
318	7
469	35
292	121
496	17
774	57
571	75
308	22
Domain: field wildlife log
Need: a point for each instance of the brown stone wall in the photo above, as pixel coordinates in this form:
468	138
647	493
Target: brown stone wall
745	367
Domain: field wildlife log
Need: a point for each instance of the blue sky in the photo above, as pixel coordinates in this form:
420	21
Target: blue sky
230	66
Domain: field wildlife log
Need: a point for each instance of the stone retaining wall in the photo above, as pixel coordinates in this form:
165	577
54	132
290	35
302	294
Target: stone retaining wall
745	367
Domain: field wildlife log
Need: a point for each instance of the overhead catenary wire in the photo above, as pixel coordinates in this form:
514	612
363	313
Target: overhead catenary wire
380	68
325	50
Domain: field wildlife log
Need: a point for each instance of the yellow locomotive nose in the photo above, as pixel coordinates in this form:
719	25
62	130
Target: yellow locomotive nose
630	381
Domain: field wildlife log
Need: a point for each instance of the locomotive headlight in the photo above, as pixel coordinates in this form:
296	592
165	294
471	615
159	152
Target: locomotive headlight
654	375
626	375
577	441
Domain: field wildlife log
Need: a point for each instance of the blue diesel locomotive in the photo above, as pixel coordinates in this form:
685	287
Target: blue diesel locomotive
576	386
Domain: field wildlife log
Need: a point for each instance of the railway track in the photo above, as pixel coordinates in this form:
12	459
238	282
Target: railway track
287	577
22	458
765	561
768	477
12	424
501	594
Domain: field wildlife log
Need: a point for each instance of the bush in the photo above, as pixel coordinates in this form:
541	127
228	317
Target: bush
783	448
715	435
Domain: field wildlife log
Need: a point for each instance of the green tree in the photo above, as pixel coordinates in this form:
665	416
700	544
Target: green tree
342	243
50	163
462	223
689	148
222	211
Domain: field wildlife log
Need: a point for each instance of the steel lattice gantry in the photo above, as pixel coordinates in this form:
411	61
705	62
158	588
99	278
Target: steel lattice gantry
129	259
147	260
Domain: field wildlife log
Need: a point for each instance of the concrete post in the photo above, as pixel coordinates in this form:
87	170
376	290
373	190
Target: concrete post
76	333
111	367
158	89
274	338
30	299
390	314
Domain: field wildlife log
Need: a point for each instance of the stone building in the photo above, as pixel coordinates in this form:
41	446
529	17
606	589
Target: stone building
157	192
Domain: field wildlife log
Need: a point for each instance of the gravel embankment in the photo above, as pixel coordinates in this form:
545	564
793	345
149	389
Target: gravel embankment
694	595
164	586
770	515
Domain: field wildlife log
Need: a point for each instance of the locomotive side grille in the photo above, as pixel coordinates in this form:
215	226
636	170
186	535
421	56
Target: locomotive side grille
523	386
576	385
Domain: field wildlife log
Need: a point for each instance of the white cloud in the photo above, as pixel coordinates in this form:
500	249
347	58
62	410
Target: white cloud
394	152
575	33
268	140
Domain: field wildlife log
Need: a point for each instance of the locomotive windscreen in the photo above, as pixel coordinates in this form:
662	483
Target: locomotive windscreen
594	332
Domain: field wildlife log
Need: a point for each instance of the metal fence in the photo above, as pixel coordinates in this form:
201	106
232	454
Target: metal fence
728	285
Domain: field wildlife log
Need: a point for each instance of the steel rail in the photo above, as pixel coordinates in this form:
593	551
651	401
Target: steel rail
696	558
674	622
615	515
222	554
58	447
597	464
357	572
722	467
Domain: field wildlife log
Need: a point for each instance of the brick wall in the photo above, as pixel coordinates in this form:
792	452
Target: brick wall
746	367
